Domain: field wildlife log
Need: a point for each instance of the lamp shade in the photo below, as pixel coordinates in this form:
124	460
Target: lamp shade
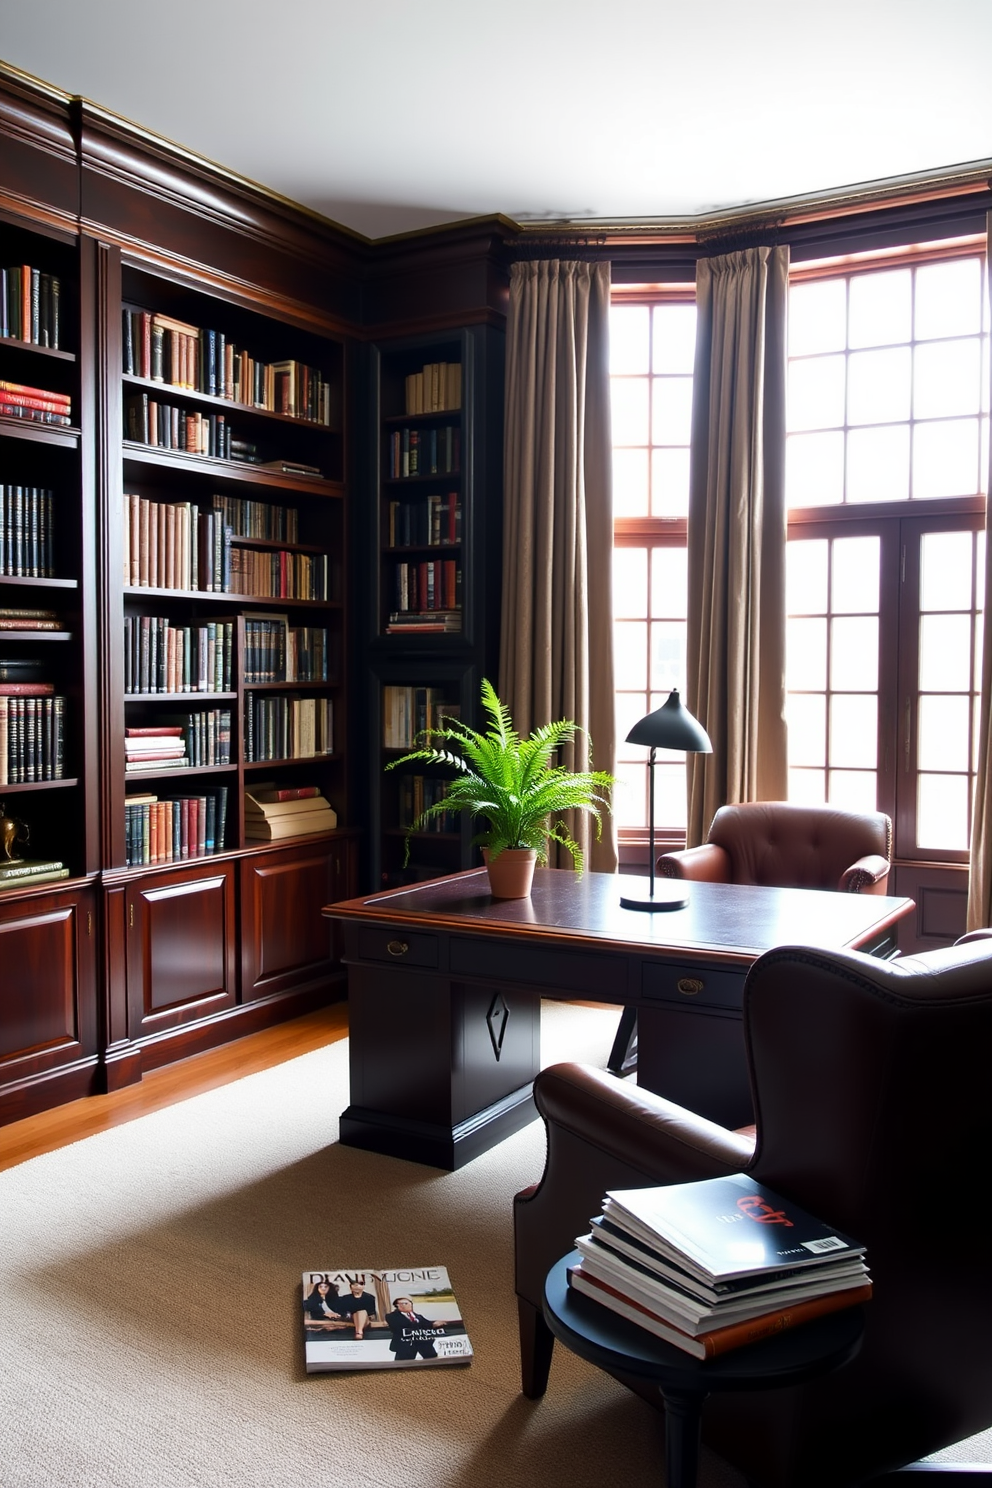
671	727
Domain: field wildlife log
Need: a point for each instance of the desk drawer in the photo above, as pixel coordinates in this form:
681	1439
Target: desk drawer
692	986
397	947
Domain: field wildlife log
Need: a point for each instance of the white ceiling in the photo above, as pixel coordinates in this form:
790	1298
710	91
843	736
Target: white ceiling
391	115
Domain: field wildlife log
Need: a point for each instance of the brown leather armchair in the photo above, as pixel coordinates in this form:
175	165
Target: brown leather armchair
873	1101
790	846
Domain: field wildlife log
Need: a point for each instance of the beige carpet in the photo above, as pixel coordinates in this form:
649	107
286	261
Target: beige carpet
150	1331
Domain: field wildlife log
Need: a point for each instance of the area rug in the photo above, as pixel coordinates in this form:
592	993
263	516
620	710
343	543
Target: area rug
150	1331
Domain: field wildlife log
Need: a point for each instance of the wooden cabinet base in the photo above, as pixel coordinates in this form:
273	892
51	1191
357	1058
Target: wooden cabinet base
439	1146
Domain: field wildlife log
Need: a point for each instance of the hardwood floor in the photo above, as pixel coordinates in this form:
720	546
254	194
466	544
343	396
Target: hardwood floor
163	1087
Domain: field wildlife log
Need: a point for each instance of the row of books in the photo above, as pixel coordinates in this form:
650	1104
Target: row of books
25	873
424	622
410	713
715	1265
416	794
414	452
431	584
259	519
171	829
166	426
280	575
31	737
275	651
287	727
200	360
30	305
26	532
199	737
273	813
160	656
175	545
435	389
37	405
432	521
16	619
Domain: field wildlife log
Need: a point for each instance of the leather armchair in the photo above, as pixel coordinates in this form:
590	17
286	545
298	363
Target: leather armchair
873	1111
790	847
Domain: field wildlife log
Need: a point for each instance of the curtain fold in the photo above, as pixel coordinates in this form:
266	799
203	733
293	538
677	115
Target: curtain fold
980	874
556	650
737	533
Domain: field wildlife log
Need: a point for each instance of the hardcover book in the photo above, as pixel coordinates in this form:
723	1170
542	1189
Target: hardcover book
360	1318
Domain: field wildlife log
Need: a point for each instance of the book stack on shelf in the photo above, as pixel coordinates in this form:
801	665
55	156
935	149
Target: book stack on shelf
274	812
166	426
419	792
26	873
715	1265
287	727
163	349
171	829
160	657
431	522
418	452
410	713
275	651
17	618
36	405
205	732
31	731
26	532
29	305
435	389
427	596
154	748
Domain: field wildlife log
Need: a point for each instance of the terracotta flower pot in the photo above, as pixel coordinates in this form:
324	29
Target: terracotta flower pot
511	873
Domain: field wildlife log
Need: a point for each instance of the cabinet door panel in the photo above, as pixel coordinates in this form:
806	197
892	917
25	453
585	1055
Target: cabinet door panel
180	954
47	987
285	940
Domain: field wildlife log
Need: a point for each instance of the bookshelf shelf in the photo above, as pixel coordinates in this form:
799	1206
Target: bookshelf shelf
60	438
14	343
233	471
211	400
67	782
20	581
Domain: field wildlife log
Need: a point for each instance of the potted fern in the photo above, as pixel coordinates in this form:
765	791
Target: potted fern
517	788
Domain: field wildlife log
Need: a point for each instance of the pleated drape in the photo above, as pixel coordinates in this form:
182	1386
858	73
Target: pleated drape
737	533
557	609
980	875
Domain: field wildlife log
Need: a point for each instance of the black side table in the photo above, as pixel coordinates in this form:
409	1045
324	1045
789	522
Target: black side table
614	1344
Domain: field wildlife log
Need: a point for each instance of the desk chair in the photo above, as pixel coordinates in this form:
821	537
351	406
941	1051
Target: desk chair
784	846
873	1103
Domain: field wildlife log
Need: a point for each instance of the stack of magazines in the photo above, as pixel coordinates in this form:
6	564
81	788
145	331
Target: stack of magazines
715	1265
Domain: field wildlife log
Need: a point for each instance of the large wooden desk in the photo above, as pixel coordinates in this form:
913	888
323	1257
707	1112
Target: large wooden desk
445	982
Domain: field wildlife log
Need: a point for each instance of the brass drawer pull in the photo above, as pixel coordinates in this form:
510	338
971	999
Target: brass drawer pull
397	947
689	986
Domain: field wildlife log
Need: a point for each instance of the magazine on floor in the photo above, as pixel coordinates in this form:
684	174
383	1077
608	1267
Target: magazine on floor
366	1318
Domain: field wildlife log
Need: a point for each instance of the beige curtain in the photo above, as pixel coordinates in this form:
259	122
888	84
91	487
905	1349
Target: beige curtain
557	622
980	876
737	533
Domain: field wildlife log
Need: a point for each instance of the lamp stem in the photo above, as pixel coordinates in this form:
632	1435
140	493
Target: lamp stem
651	821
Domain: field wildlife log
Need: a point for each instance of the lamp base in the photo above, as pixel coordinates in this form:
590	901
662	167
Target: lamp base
669	893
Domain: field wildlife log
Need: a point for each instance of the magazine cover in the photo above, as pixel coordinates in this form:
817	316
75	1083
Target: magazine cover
360	1318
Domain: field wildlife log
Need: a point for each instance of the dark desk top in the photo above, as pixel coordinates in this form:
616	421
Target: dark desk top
731	922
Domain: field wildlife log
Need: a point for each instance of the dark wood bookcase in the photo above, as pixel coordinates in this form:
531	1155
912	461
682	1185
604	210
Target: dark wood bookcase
436	545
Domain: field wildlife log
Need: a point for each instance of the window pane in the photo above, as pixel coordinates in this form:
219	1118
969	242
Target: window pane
945	571
942	812
629	406
630	660
944	726
878	386
808	787
670	482
947	378
630	581
945	458
630	482
669	578
806	577
881	308
878	464
854	730
667	655
631	707
945	659
854	654
816	393
806	718
674	337
806	652
814	469
817	317
854	790
670	795
630	343
854	580
948	298
630	799
671	415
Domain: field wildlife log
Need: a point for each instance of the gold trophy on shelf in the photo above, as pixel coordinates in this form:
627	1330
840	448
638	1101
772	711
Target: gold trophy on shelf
12	832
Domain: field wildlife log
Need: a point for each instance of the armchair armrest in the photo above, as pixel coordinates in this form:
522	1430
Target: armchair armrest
866	876
706	864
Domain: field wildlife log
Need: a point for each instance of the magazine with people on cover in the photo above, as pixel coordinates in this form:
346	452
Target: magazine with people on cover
367	1318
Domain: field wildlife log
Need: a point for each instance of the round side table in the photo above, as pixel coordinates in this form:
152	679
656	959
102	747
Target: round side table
614	1344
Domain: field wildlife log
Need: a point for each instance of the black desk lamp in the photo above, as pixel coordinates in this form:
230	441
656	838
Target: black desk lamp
669	727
